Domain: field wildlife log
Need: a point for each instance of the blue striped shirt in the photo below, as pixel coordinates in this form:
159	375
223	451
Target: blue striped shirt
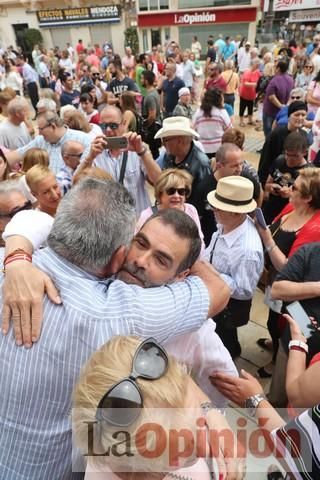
54	149
238	257
36	384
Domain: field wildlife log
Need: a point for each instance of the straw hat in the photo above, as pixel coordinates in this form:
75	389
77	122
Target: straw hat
233	194
174	126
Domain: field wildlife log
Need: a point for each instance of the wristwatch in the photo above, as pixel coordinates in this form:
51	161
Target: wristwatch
251	403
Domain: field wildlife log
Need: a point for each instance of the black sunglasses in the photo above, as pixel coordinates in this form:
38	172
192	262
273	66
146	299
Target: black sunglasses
183	192
26	206
111	125
95	74
122	403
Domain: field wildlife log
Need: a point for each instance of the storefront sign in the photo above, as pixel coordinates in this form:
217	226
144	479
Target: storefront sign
305	16
204	17
190	19
74	16
279	5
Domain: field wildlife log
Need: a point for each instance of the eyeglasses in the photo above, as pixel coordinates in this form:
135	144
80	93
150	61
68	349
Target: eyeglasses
111	125
43	128
26	206
183	192
95	74
296	98
122	403
75	155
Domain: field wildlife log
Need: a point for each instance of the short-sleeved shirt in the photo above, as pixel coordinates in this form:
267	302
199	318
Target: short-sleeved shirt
170	90
247	92
188	71
212	54
117	87
280	86
216	83
70	98
54	150
14	136
212	128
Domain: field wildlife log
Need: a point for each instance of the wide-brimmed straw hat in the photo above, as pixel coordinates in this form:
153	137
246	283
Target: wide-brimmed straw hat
233	194
174	126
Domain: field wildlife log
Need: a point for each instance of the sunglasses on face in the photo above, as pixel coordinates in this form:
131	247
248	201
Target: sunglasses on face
183	192
95	74
122	403
111	125
26	206
295	98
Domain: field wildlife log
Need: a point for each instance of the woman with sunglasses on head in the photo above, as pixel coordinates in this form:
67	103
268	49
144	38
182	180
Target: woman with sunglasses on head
313	94
171	191
296	225
112	400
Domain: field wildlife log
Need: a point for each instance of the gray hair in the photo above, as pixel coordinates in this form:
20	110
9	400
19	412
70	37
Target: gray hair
10	186
93	220
298	91
16	105
52	118
47	104
66	108
229	64
70	143
224	150
255	61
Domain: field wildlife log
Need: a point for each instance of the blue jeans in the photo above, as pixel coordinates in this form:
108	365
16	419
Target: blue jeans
267	121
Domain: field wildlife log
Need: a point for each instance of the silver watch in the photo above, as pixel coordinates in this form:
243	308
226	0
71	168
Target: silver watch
251	403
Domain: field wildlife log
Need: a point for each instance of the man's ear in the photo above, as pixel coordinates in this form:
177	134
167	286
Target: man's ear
117	260
182	275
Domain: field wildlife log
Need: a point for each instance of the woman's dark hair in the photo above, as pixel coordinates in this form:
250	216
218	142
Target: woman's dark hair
293	43
296	142
243	40
282	65
86	97
212	98
87	88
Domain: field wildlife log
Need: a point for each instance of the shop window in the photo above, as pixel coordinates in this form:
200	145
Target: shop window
153	5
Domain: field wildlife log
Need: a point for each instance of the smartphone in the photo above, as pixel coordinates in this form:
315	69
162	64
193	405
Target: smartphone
260	218
298	314
117	143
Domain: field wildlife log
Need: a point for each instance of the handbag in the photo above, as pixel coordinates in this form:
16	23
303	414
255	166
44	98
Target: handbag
236	313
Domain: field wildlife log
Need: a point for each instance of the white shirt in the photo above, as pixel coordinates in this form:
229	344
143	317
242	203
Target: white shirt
14	136
244	59
238	257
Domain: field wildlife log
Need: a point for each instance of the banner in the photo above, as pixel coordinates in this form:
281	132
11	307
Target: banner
60	17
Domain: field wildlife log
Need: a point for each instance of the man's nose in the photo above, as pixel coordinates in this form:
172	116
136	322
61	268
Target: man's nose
142	260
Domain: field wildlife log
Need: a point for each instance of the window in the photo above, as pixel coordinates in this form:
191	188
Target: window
145	40
210	3
145	5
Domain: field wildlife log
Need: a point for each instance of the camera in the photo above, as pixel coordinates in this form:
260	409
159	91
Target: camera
282	179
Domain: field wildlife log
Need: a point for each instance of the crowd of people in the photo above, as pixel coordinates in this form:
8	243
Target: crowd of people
132	249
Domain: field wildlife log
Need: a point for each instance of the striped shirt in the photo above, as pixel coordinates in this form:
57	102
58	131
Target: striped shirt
134	177
211	128
298	445
54	149
36	384
238	257
64	179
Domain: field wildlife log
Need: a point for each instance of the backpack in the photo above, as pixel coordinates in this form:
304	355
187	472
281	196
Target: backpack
262	84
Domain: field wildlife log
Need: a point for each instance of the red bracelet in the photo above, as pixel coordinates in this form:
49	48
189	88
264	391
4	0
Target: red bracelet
299	349
18	257
18	251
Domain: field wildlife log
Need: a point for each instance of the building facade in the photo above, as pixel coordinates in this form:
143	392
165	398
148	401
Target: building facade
180	20
64	21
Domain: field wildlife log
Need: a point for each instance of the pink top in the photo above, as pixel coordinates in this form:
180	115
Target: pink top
188	209
211	128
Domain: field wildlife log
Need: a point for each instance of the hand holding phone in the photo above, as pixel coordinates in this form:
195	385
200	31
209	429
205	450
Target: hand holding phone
299	315
260	218
116	143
